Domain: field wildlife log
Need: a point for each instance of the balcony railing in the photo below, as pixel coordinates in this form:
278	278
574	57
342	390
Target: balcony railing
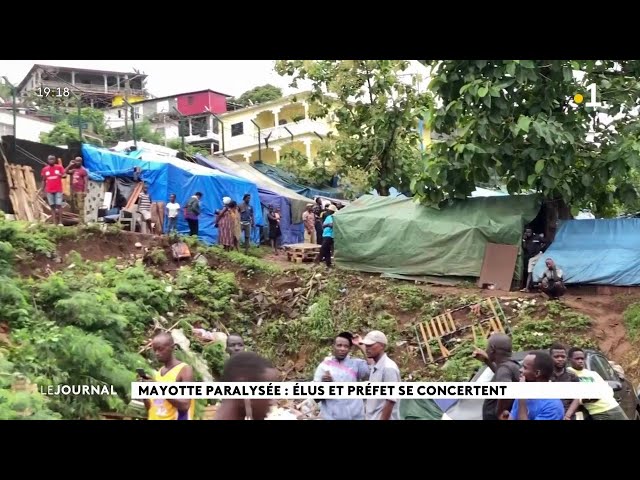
250	138
90	88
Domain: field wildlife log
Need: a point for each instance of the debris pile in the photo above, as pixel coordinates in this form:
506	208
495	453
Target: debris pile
291	298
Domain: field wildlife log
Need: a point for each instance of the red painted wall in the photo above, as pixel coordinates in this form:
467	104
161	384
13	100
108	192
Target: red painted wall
215	102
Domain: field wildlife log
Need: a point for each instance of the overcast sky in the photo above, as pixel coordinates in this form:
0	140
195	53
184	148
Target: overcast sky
168	77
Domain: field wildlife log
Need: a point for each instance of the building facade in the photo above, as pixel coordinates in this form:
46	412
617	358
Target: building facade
265	131
95	88
191	114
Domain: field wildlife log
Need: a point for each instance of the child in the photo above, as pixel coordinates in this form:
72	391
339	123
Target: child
173	208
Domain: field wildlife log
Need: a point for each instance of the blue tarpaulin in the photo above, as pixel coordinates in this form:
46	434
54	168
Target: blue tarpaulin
290	203
601	252
166	175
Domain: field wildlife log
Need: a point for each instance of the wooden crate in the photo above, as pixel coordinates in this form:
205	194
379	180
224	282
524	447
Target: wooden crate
302	252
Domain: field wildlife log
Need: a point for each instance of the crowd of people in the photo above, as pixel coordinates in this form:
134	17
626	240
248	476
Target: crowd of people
555	365
541	366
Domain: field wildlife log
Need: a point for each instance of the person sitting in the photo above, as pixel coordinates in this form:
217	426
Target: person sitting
552	281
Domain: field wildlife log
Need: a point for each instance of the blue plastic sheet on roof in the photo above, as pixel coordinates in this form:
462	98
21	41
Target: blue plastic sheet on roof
601	252
292	233
166	175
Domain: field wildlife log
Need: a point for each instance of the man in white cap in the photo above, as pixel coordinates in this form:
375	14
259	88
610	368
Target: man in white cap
383	370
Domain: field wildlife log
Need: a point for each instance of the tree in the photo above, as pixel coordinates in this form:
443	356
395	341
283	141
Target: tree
66	128
176	144
261	94
295	162
5	92
376	112
516	121
62	134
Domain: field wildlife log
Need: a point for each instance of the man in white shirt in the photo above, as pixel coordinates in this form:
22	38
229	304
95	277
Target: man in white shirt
173	208
383	370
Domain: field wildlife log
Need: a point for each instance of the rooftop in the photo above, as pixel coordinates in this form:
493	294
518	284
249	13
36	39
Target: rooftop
155	99
69	69
271	103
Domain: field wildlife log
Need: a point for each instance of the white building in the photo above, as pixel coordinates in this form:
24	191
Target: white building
28	127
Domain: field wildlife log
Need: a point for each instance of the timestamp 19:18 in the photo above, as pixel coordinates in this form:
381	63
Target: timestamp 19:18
52	92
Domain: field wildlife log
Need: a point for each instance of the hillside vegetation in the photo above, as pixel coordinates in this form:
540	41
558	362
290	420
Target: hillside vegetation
68	315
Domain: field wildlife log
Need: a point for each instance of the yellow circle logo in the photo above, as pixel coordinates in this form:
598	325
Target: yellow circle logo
578	98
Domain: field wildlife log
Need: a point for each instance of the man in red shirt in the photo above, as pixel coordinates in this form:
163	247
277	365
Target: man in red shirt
52	177
78	186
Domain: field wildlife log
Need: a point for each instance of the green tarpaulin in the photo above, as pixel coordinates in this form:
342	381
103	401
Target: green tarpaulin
396	235
419	409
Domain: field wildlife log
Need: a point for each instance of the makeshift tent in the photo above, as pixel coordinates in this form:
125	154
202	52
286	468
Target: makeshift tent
600	252
291	204
288	180
399	236
165	175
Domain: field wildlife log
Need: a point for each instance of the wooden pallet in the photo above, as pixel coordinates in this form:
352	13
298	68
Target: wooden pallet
23	192
302	252
443	327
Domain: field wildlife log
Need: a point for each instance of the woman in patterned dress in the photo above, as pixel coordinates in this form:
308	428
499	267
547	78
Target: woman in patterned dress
237	227
225	223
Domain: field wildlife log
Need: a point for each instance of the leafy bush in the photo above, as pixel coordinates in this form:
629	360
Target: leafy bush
631	318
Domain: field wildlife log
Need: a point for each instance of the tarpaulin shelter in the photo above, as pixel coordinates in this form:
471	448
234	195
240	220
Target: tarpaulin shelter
399	236
599	252
291	204
166	175
288	180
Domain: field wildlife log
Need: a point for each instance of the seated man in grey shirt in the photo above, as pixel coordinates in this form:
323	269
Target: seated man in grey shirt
383	370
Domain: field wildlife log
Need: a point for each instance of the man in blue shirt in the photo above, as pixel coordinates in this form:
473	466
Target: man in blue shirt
536	367
327	237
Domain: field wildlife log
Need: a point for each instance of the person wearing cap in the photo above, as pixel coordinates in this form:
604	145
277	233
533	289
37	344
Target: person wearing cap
382	370
327	238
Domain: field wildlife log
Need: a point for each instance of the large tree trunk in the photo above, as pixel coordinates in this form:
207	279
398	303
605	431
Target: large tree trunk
382	191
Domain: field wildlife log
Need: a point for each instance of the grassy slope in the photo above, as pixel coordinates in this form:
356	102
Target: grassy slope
91	316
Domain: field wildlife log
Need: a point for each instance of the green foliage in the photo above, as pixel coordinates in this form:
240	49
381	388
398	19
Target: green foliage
257	95
215	356
295	162
6	92
6	257
20	405
514	122
249	263
66	131
631	318
211	289
157	256
33	237
146	133
15	308
409	297
176	144
311	332
376	112
461	366
560	324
